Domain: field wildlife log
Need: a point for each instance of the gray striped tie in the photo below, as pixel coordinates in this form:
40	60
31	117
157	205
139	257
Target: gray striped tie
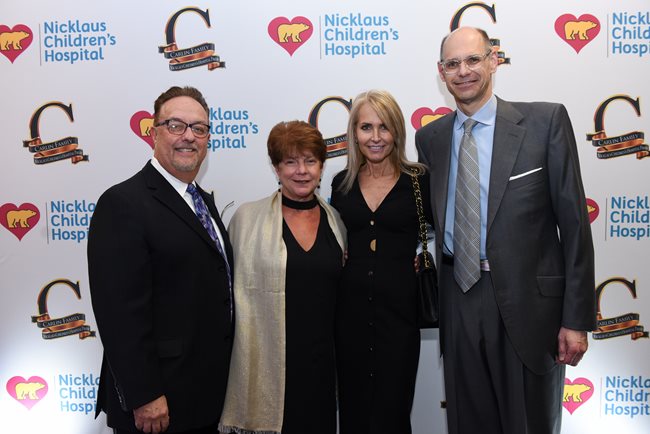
467	220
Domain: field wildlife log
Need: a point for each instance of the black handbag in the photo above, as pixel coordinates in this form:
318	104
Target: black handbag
427	277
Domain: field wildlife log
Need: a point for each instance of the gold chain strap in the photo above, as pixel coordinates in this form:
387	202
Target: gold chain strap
421	220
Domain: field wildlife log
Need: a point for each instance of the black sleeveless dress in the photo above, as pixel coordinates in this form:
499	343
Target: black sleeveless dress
311	284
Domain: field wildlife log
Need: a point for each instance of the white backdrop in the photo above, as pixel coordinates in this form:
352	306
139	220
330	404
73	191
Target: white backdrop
92	70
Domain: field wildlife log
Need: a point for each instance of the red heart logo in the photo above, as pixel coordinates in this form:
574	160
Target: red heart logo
592	209
141	125
19	220
576	393
577	32
424	115
27	392
15	40
290	35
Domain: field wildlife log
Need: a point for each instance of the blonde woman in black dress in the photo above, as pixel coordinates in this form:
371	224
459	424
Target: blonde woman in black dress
377	339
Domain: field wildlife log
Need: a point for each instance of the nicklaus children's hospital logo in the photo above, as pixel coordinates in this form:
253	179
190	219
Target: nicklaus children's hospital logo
290	34
27	392
577	32
74	324
593	210
425	115
181	59
14	40
19	219
56	150
621	325
492	13
620	145
576	393
141	124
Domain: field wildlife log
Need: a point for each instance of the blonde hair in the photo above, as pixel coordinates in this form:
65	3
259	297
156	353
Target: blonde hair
383	103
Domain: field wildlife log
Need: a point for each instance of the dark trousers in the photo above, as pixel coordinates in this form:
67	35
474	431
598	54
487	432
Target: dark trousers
212	429
488	389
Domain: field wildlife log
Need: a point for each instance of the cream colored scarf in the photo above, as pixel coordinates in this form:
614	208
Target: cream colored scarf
255	395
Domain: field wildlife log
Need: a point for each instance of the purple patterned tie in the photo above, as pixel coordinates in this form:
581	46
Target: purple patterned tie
204	216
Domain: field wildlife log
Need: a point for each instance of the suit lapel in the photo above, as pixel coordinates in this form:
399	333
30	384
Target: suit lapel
440	161
209	201
508	138
165	193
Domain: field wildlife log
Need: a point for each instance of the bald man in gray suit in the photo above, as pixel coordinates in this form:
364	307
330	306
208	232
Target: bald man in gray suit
508	334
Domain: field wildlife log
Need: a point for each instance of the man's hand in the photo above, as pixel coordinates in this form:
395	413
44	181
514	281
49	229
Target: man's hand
571	346
152	417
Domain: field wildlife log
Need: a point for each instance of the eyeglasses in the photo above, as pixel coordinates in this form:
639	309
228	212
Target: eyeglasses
452	66
178	128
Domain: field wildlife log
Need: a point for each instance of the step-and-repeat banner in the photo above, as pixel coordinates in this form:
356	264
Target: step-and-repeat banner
78	83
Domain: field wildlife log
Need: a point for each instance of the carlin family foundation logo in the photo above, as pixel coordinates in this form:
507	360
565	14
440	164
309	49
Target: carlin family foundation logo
336	145
57	150
27	392
425	115
181	59
492	13
628	217
74	41
632	142
355	34
19	219
617	325
53	328
290	34
576	393
15	40
630	33
627	396
577	32
69	220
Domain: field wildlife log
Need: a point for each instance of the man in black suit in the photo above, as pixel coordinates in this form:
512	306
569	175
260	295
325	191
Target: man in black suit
160	281
513	245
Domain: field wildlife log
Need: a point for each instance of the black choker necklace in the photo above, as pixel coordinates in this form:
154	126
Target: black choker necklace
294	204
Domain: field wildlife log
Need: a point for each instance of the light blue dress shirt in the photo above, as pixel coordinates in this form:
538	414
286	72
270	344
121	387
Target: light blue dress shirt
483	133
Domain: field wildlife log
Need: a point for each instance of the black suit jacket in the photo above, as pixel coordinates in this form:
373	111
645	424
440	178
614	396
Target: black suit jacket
161	298
538	233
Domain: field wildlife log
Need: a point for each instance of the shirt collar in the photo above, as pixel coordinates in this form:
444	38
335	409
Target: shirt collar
177	184
486	115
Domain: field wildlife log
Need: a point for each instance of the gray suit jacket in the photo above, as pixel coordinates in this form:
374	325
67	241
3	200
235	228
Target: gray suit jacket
538	233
